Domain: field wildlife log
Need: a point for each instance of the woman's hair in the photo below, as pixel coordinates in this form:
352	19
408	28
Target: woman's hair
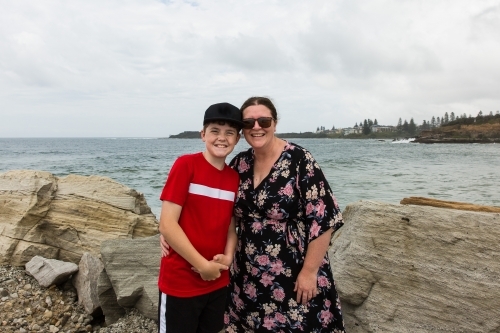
256	100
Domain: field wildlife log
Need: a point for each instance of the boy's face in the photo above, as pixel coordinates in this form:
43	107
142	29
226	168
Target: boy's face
220	139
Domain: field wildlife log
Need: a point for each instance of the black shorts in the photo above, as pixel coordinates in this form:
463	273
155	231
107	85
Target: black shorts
198	314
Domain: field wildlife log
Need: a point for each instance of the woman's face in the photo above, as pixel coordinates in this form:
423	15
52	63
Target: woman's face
258	137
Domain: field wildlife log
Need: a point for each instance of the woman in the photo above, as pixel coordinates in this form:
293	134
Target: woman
285	213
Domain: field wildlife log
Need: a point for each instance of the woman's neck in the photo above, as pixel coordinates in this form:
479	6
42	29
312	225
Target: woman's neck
269	151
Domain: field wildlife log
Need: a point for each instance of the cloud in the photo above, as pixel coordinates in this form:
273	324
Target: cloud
150	68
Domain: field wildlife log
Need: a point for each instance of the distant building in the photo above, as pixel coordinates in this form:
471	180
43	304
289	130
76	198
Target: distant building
352	130
381	128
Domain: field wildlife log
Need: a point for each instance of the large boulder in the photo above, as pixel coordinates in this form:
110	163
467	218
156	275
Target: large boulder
132	267
62	218
417	269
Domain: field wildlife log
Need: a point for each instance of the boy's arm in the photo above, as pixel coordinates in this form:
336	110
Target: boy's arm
232	239
177	239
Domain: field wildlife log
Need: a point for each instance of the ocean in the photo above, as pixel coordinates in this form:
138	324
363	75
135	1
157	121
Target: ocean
356	169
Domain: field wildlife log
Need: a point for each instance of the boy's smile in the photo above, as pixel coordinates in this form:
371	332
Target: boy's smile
220	141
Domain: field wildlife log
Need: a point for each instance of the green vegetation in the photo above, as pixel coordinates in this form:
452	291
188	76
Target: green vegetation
186	135
450	124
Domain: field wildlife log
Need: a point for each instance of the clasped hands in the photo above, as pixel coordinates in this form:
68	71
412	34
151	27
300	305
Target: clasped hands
210	270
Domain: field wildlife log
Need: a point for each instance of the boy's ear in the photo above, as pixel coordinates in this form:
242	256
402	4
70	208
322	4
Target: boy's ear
238	137
202	135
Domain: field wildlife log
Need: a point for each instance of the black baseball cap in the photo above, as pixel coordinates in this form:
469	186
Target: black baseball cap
225	112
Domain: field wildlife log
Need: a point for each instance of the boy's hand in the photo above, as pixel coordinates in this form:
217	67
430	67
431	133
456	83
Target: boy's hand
223	259
211	270
165	248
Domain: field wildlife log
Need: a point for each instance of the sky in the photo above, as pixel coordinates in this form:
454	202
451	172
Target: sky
148	68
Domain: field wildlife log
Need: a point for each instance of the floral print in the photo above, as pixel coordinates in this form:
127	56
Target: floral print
276	221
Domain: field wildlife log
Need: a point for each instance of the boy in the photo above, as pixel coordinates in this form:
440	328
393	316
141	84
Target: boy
196	221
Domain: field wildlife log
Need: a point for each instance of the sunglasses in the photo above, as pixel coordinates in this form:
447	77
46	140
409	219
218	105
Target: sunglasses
264	122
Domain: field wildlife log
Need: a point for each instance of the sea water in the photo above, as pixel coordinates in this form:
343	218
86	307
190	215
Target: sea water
355	169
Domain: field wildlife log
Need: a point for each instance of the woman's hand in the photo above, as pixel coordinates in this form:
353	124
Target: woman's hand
165	248
223	259
306	286
210	270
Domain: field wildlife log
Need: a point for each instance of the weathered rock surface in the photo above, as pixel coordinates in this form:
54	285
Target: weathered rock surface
85	282
50	271
132	267
107	298
62	218
417	269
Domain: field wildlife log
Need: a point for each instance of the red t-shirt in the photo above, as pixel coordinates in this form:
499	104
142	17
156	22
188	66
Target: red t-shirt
207	196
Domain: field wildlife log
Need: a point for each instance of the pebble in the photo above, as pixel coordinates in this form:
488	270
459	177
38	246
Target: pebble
27	307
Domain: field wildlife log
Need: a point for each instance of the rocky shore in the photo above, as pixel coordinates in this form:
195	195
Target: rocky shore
81	254
485	130
27	307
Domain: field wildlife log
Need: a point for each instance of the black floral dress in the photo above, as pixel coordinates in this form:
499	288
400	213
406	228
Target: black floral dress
276	221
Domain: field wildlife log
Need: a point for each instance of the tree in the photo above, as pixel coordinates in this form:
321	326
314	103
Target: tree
424	125
366	127
356	125
491	113
399	127
480	114
433	122
405	126
452	116
375	122
446	119
333	128
412	128
317	129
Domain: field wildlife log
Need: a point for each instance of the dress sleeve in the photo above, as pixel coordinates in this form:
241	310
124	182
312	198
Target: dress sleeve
320	208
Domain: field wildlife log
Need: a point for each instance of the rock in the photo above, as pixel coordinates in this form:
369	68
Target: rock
132	266
85	281
107	298
62	218
417	269
24	200
50	271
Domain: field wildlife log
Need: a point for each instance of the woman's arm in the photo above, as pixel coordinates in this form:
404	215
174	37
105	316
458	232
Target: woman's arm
306	285
232	239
